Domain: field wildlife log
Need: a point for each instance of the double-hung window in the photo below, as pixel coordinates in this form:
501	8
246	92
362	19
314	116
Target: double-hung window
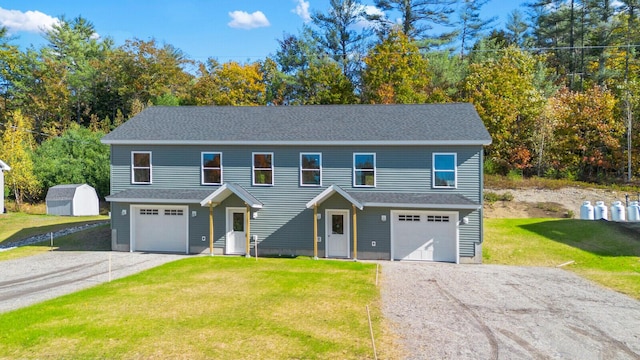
263	169
310	169
211	168
141	167
444	170
364	169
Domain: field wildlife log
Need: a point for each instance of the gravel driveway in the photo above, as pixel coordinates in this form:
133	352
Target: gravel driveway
446	311
33	279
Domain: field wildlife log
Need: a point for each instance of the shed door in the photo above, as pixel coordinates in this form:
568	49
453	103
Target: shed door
425	235
159	228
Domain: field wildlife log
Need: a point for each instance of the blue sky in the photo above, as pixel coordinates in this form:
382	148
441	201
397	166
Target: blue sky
239	30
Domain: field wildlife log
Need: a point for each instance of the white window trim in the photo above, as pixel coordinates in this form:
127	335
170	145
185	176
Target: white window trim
253	168
319	169
202	168
455	171
133	168
375	170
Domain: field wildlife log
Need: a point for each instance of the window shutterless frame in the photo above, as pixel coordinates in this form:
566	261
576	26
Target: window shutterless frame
364	169
445	170
211	168
141	169
310	169
262	169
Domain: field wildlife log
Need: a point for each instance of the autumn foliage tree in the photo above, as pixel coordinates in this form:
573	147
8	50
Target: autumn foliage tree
16	149
396	72
502	90
588	133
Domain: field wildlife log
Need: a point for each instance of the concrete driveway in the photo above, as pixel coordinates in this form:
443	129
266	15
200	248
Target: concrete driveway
446	311
33	279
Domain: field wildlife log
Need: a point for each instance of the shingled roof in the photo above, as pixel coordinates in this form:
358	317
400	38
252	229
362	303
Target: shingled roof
423	124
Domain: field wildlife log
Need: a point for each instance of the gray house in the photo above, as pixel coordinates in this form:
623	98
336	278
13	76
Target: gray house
72	200
3	167
397	182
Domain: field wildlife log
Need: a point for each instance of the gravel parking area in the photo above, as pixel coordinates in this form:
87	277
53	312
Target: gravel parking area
446	311
33	279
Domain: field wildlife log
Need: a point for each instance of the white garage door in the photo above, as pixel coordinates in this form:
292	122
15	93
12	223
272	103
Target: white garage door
159	228
424	235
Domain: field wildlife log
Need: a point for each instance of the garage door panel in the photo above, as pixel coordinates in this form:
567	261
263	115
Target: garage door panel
160	228
423	235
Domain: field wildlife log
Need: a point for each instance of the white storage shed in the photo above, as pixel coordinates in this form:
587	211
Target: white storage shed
72	200
3	167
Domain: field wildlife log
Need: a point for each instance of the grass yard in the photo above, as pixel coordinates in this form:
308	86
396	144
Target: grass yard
604	252
16	226
208	308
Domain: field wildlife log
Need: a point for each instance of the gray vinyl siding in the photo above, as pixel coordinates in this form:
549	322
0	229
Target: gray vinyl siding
284	222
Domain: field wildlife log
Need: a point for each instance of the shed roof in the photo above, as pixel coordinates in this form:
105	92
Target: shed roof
417	124
4	166
63	192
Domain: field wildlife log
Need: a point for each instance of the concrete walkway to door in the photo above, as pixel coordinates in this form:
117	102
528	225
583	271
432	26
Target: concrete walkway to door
447	311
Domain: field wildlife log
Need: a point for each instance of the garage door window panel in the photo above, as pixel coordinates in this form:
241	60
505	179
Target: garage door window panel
444	170
364	170
141	167
211	168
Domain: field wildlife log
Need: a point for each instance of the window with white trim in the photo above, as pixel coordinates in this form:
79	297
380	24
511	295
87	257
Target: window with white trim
141	167
211	163
310	169
444	170
364	169
263	169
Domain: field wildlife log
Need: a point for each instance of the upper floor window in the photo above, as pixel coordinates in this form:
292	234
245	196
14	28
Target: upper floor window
211	168
310	169
141	167
262	168
444	170
364	169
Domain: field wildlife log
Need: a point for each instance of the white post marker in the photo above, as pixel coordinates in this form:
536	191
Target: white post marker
51	241
109	267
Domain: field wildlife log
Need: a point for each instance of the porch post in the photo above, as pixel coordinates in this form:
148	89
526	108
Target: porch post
355	233
210	228
248	231
315	232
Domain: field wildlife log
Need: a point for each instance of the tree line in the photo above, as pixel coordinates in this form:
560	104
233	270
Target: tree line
556	86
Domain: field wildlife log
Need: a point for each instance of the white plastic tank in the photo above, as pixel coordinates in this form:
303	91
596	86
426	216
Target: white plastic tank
633	211
600	211
586	211
617	211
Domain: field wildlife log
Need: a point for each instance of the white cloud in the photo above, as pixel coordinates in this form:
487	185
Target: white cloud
244	20
302	10
30	21
369	10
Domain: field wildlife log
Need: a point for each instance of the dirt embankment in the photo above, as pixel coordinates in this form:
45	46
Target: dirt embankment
559	203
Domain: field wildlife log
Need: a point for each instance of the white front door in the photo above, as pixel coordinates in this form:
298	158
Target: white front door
236	236
337	230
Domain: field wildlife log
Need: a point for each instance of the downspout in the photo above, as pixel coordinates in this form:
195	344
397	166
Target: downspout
315	232
355	234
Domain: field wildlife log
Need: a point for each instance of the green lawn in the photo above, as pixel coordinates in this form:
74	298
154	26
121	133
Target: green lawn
17	226
208	308
602	251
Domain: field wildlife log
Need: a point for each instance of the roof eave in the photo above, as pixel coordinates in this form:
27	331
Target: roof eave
424	206
304	143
